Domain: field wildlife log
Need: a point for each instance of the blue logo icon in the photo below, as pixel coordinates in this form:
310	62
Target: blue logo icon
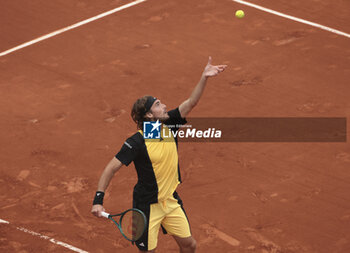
151	129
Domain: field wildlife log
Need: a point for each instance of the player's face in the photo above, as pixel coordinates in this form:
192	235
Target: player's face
158	111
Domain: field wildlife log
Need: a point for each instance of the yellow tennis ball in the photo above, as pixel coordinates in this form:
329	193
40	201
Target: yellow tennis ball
240	14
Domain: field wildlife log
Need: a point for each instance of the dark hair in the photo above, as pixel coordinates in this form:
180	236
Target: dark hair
138	111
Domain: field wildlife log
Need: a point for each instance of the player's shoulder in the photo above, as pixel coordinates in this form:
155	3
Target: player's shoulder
135	140
174	113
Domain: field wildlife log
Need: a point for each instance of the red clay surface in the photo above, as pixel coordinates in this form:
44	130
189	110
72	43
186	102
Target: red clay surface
65	113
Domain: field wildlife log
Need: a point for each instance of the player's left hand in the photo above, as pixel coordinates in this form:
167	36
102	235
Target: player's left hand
211	70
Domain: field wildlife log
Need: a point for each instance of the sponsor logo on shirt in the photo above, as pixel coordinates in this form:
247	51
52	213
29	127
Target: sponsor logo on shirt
128	145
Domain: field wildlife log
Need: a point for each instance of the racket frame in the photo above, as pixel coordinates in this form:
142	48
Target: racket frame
110	217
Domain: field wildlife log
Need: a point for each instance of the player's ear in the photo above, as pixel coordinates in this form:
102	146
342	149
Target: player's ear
149	116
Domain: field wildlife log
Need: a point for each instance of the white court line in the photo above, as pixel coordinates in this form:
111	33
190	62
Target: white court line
52	240
294	18
3	221
47	36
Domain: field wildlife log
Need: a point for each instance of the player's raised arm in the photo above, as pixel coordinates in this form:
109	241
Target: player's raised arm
209	71
112	167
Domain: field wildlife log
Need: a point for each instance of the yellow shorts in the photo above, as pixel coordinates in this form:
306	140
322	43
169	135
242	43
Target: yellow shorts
168	214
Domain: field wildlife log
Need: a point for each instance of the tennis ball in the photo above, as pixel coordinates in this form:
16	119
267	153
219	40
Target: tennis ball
239	14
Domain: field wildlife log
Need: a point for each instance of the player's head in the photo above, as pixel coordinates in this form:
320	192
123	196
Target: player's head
148	108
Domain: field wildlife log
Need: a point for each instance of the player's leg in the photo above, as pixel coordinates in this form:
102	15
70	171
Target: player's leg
186	245
154	215
176	224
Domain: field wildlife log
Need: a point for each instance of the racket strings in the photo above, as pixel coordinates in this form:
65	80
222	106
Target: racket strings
133	225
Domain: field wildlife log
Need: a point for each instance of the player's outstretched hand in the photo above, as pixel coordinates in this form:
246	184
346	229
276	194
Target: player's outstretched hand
97	209
211	70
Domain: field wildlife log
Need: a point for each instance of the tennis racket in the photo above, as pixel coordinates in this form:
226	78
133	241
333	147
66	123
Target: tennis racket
132	223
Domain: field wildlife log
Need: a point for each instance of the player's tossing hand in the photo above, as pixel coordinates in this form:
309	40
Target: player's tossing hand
96	210
211	70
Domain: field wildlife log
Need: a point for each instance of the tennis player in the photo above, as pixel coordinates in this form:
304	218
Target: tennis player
157	167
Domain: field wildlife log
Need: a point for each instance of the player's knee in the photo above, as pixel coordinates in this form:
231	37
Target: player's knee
194	245
191	245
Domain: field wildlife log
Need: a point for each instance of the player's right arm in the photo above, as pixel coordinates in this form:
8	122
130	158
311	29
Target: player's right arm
112	167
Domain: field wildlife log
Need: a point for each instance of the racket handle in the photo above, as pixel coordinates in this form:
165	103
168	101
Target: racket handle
104	214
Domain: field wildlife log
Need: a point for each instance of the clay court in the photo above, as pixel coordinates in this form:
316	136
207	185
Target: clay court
66	104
